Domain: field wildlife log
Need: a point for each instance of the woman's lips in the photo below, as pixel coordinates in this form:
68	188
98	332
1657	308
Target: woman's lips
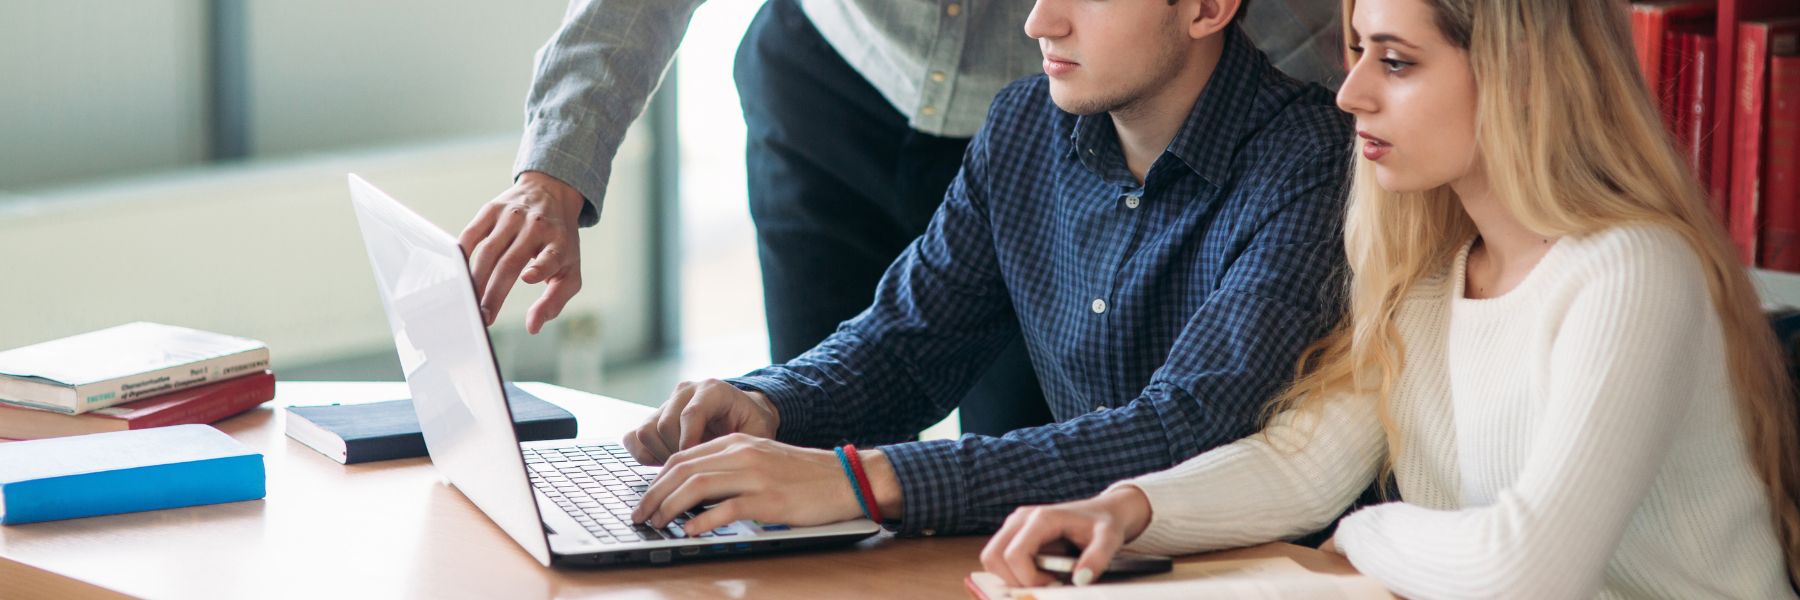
1375	150
1373	147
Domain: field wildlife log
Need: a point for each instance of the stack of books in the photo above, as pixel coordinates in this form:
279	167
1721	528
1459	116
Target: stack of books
134	376
1726	74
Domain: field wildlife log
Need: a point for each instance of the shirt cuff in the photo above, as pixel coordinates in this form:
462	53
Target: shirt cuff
796	422
931	486
545	149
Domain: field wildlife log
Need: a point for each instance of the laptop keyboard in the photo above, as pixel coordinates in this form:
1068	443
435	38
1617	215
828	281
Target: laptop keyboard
598	485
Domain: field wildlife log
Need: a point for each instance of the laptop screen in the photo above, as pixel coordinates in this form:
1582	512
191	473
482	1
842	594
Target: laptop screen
449	362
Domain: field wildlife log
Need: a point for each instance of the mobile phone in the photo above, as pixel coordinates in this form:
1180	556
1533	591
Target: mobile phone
1122	565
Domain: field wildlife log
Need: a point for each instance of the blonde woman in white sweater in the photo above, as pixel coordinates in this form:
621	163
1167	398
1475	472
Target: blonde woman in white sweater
1549	344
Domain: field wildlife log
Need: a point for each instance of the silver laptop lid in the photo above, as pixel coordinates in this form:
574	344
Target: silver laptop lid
449	362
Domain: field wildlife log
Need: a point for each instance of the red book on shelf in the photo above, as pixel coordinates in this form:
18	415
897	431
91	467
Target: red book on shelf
1731	13
1678	50
197	405
1699	106
1781	248
1640	40
1757	40
1651	23
1688	67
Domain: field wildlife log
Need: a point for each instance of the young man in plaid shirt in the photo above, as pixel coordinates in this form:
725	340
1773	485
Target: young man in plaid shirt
1157	218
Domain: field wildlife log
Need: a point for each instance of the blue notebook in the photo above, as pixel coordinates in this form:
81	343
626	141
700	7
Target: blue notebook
125	471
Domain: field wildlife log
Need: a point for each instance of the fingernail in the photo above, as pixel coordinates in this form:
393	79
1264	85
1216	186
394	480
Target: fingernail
1084	576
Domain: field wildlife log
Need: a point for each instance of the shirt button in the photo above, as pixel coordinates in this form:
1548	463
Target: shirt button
928	111
1099	306
953	9
937	75
1131	201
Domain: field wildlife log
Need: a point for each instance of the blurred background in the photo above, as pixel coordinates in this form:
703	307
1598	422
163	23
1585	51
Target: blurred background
183	161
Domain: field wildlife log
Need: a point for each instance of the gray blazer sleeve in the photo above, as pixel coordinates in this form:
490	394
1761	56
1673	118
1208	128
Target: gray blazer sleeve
591	80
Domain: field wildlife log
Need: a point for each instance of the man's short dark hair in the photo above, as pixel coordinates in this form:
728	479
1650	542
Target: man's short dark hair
1243	5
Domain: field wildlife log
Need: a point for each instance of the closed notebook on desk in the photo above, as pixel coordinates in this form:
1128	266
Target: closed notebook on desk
125	471
359	433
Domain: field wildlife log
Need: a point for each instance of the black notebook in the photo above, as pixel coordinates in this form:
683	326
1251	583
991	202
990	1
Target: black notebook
359	433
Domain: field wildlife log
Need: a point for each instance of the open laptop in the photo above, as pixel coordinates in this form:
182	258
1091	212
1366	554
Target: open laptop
567	502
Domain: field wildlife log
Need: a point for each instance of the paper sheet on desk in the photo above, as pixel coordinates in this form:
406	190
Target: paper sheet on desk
1276	578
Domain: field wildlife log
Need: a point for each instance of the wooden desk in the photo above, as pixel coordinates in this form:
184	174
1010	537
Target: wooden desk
394	529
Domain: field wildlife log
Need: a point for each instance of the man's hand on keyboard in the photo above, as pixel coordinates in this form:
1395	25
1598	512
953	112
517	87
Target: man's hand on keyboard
749	478
699	411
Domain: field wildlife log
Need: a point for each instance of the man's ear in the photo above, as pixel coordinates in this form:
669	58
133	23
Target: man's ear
1212	16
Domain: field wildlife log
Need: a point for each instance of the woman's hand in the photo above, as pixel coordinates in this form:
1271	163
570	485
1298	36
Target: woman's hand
1099	525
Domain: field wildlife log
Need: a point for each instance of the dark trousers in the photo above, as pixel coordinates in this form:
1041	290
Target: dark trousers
839	185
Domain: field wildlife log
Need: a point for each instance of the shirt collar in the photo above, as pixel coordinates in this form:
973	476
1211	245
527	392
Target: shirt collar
1208	138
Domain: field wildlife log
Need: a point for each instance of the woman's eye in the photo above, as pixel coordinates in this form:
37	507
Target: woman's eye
1393	65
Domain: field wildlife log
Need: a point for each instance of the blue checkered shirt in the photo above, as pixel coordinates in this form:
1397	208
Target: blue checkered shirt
1160	318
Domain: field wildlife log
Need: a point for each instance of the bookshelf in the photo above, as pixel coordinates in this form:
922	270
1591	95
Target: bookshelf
1777	287
1732	12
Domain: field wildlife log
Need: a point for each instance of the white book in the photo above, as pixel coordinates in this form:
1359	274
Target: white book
130	362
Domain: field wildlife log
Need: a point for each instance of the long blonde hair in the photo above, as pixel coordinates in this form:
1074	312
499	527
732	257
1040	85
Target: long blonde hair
1571	145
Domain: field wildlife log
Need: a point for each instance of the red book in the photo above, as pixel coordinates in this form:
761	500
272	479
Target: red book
1651	22
1781	248
1757	40
1699	107
1693	69
197	405
1678	53
1640	40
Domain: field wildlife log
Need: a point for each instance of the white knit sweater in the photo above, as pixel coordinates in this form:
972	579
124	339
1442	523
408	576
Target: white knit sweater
1573	438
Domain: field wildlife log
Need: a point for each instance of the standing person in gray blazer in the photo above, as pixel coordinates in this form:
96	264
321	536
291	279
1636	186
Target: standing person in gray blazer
858	112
